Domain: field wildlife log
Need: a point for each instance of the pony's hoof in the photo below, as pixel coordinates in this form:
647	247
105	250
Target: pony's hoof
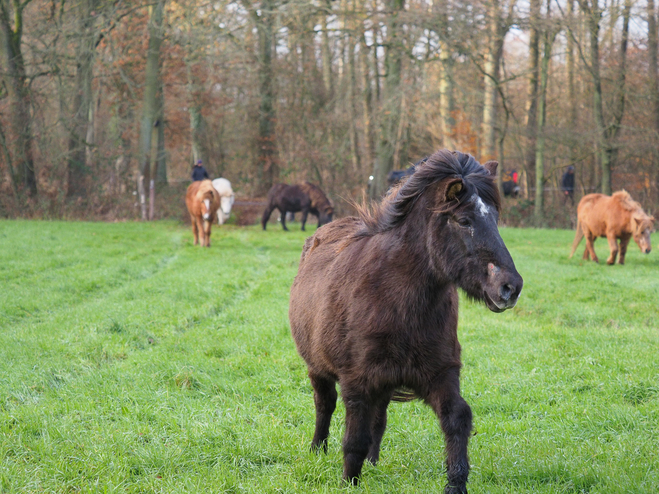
452	489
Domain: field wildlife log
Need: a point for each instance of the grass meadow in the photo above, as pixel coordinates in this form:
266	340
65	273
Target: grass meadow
131	361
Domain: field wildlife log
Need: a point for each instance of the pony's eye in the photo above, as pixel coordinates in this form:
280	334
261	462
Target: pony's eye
464	222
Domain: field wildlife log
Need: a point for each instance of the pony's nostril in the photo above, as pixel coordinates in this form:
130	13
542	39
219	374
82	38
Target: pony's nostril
506	291
647	251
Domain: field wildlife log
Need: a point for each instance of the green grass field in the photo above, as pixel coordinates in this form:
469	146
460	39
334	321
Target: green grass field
131	361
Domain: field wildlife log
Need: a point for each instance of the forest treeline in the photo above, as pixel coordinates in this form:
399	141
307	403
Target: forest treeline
106	104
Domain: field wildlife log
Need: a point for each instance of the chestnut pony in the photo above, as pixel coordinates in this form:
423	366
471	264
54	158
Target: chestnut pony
613	217
374	305
203	202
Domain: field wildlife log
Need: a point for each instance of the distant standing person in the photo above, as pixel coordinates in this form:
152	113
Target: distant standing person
199	172
567	185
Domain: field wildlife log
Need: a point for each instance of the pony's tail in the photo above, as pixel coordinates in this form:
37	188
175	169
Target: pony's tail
404	395
577	238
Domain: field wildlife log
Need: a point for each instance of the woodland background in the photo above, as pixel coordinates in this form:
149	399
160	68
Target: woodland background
105	105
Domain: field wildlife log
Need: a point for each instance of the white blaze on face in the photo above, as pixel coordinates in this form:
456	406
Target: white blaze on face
481	207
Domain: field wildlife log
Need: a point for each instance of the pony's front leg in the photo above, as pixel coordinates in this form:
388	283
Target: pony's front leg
455	418
357	439
283	220
207	232
624	242
200	229
613	247
195	231
324	397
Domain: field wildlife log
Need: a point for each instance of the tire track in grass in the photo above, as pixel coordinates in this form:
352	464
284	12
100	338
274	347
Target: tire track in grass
103	331
37	283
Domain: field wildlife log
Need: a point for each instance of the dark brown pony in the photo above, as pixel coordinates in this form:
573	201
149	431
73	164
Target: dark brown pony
202	201
305	197
374	305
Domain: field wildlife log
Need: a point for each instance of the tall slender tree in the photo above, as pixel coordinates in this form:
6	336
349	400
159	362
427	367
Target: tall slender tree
388	130
81	122
150	110
19	141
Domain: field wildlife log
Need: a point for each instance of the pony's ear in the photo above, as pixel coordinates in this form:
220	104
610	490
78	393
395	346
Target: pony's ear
453	189
491	167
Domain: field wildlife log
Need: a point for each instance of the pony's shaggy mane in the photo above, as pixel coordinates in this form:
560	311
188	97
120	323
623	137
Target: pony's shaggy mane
443	164
626	201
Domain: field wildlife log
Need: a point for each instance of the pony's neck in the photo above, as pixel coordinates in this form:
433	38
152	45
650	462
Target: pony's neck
409	241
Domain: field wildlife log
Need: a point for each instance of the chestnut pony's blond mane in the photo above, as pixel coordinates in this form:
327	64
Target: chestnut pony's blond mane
627	202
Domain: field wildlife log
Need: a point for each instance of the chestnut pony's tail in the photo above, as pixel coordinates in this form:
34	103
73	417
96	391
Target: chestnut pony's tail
577	238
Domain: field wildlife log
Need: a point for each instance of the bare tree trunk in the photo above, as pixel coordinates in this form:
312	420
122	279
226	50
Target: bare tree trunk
548	42
161	156
352	104
571	88
78	169
326	52
367	99
496	32
618	109
267	170
196	118
150	109
653	47
446	99
376	64
390	112
15	82
593	22
607	133
532	93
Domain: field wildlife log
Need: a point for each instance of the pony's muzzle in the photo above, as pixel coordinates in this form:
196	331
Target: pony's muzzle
505	292
647	251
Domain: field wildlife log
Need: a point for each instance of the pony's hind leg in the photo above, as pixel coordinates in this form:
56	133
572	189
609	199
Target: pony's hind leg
455	418
266	215
378	425
324	397
590	246
613	247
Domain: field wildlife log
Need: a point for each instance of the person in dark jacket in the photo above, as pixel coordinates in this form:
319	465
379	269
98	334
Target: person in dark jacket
199	172
567	185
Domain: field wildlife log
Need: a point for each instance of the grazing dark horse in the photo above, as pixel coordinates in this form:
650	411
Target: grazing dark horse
374	305
305	197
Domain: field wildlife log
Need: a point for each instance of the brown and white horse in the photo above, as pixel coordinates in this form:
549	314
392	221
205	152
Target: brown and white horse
203	202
